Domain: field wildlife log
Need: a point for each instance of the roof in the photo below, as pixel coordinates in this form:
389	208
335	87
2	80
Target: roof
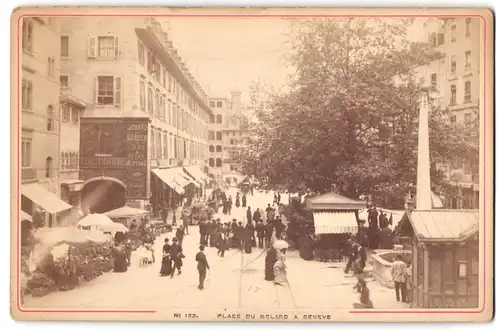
335	223
333	201
444	225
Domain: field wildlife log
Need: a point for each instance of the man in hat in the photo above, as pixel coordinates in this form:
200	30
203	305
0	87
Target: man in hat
176	256
201	258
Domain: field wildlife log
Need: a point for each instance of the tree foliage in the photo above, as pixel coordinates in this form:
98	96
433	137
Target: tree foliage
347	124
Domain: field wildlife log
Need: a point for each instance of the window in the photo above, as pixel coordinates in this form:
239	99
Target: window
453	120
219	104
467	91
75	116
64	46
468	118
27	41
108	90
440	39
219	148
467	27
453	95
150	100
164	78
142	94
26	143
107	46
468	59
219	136
50	118
158	145
211	135
48	167
212	119
421	80
157	104
140	49
51	67
64	81
27	95
152	145
434	79
169	83
211	162
157	72
453	33
218	162
232	141
66	109
211	148
219	119
453	64
165	146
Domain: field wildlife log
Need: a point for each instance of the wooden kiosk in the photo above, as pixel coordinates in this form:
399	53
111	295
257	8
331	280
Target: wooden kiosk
445	250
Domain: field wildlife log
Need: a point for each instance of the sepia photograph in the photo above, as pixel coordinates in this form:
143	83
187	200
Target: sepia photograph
251	164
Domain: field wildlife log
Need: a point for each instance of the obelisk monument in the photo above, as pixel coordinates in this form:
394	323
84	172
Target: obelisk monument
424	197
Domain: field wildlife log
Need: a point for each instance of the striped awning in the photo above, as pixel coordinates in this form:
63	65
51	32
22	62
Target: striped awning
335	223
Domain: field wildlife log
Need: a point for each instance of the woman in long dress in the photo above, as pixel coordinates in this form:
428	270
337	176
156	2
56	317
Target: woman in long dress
271	257
244	200
280	269
120	255
166	262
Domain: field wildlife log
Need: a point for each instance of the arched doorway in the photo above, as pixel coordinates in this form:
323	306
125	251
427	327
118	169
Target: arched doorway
101	195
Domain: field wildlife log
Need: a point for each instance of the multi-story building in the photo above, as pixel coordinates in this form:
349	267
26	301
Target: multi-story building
144	134
228	132
41	128
456	76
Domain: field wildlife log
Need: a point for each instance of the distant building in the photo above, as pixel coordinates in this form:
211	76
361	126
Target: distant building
456	76
228	130
41	127
144	132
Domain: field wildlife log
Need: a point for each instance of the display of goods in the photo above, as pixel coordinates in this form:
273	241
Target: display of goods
40	284
328	255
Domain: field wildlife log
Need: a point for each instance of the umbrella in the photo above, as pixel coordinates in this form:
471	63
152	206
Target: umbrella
95	219
280	244
115	227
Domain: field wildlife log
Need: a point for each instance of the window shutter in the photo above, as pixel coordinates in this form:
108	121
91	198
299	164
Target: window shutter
117	86
116	47
92	47
96	90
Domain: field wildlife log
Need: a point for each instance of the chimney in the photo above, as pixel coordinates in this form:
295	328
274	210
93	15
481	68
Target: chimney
424	199
235	98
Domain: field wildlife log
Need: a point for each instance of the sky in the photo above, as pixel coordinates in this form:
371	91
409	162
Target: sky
229	54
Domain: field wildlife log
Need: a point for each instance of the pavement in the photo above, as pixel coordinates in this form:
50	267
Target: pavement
233	282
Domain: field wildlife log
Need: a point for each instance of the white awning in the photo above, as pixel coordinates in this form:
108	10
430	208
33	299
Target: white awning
44	198
169	177
196	173
335	223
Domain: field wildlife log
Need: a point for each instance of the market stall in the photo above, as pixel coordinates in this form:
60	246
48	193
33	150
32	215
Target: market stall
126	215
64	257
335	221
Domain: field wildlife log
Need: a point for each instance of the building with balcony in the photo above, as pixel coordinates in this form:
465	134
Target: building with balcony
144	132
456	76
41	126
228	130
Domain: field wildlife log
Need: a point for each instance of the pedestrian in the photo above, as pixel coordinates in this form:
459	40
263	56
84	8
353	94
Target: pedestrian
269	213
364	297
271	258
166	262
275	199
222	244
185	221
350	252
260	229
249	215
249	237
399	273
237	204
256	215
176	255
244	200
268	232
240	235
179	234
174	217
201	258
278	227
202	226
229	204
279	269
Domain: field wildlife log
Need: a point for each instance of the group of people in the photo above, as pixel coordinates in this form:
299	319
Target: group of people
226	201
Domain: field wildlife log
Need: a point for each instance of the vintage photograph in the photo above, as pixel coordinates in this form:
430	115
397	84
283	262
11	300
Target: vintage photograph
185	164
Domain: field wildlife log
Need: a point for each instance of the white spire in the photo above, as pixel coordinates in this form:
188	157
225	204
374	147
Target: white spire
424	197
